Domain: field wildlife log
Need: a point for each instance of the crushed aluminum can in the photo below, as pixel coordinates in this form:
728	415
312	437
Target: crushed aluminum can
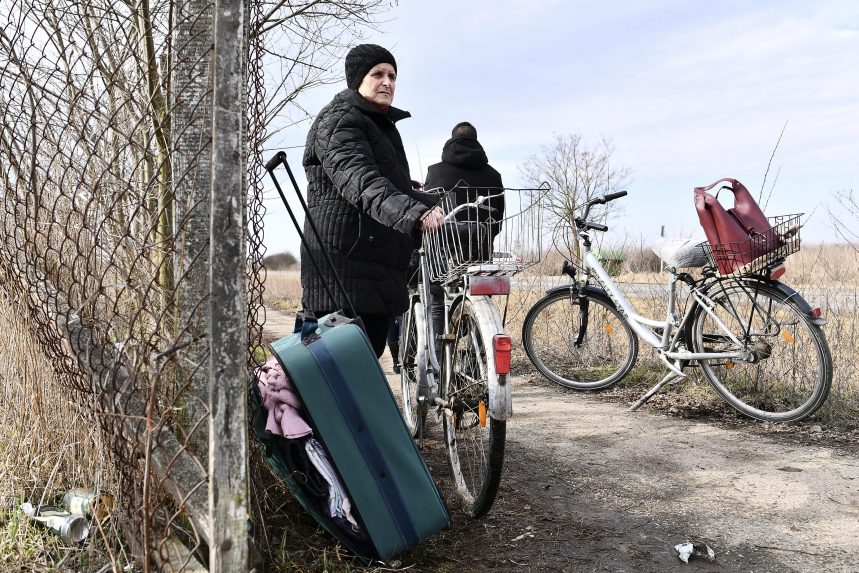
70	528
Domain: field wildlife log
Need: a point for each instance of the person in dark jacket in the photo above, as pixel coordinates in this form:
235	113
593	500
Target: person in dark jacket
463	167
359	195
464	173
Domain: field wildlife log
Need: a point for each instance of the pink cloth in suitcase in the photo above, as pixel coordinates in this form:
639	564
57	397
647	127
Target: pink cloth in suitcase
281	401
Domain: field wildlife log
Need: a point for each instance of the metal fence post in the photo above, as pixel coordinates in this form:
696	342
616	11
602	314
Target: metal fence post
228	439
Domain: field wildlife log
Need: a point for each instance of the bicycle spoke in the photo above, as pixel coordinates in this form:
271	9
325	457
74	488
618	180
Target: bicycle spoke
788	372
578	350
414	411
475	442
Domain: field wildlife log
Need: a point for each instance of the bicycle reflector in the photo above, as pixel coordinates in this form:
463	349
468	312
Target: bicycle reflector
489	285
502	346
778	271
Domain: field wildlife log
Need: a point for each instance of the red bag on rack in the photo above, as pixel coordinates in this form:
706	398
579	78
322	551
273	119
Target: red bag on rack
737	235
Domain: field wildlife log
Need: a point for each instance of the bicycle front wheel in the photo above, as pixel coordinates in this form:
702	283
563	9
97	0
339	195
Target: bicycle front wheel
474	440
789	372
579	339
413	369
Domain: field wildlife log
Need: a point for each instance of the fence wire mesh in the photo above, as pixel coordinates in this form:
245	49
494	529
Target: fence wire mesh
105	148
106	145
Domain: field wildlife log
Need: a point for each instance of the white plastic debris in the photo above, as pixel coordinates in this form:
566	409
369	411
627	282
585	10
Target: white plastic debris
528	533
689	549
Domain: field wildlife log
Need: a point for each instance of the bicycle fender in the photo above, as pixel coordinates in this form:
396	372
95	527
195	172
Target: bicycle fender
420	353
592	290
500	386
799	300
789	293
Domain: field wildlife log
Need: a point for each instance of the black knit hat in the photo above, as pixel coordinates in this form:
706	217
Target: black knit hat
361	60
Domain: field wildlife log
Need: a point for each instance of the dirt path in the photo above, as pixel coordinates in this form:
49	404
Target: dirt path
589	487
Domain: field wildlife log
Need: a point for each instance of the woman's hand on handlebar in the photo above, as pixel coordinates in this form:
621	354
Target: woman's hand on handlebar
432	219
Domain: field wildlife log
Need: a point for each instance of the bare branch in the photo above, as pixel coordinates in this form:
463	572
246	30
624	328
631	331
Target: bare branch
769	164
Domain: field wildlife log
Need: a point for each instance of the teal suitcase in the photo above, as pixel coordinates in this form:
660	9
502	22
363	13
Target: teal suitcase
353	413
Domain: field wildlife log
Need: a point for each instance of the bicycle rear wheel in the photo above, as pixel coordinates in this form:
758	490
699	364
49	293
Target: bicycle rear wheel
413	369
474	440
790	372
579	339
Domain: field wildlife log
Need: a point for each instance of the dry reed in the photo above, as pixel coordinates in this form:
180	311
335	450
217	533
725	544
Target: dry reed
42	424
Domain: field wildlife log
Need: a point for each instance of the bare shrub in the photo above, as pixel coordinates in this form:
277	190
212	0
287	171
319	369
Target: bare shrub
280	261
641	260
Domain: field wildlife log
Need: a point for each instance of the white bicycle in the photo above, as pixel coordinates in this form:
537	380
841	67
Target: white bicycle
469	386
757	341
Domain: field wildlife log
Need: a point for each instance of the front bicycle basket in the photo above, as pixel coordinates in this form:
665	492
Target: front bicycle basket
759	251
489	231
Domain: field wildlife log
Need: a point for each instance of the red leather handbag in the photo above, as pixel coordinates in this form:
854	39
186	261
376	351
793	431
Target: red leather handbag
737	235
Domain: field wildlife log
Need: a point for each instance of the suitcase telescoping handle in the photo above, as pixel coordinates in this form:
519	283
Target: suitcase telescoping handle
270	166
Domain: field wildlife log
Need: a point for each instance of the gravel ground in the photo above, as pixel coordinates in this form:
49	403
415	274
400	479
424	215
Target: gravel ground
590	487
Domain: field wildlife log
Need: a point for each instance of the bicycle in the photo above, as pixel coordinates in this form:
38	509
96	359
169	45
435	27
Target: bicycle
469	387
757	341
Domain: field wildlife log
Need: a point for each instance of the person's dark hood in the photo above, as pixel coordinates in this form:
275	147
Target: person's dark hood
464	152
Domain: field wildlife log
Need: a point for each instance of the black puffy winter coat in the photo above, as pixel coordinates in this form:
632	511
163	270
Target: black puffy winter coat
360	197
464	163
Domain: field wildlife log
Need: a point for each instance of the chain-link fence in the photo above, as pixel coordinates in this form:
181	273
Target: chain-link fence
114	118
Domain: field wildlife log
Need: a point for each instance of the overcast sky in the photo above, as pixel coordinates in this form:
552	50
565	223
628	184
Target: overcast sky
687	91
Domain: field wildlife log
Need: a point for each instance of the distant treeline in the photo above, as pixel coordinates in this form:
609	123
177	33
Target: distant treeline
280	261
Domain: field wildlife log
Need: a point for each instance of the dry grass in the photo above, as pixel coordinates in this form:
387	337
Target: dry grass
817	271
824	265
283	290
826	275
46	448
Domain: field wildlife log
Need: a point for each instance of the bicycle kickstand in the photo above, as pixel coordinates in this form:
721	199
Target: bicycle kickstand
670	377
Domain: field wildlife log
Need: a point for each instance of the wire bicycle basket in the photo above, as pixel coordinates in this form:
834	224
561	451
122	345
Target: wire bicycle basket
760	251
478	240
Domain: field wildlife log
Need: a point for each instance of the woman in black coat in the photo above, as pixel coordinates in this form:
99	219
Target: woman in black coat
360	196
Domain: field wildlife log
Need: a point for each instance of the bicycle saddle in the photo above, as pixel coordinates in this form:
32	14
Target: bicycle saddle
680	253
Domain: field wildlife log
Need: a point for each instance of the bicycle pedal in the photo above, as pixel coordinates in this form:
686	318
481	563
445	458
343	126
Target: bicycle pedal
446	337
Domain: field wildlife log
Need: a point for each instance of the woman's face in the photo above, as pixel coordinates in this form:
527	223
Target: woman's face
379	84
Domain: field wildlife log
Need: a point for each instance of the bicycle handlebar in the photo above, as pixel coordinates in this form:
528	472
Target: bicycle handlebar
603	199
613	196
477	204
582	222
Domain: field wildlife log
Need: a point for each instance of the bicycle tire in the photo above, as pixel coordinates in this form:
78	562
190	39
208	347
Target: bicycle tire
551	335
475	446
791	372
412	363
